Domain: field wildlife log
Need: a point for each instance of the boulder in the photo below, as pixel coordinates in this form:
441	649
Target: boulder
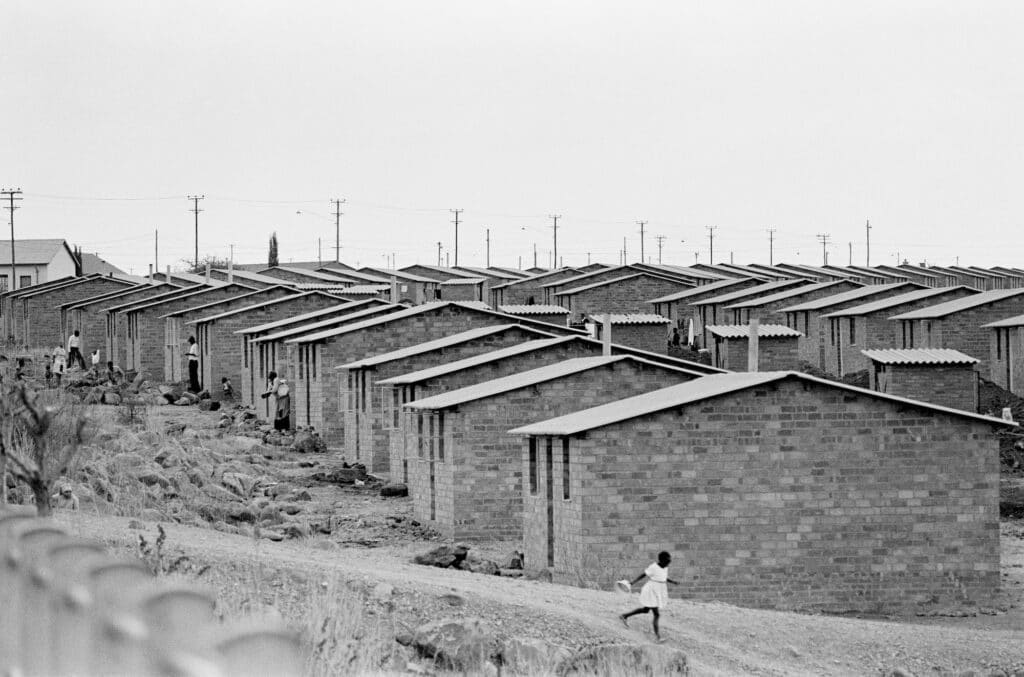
240	513
382	591
174	428
152	478
528	656
296	530
463	644
110	397
219	493
389	490
444	556
484	566
137	382
630	659
304	442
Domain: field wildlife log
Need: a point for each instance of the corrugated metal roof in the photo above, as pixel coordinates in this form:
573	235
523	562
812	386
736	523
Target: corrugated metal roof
257	306
919	356
489	272
441	343
255	277
816	270
156	300
537	277
787	294
602	283
1016	321
539	309
583	277
357	276
631	318
743	331
359	316
894	301
112	297
524	379
386	273
370	289
475	361
463	280
220	302
171	293
312	315
702	289
959	305
749	291
847	296
314	274
703	389
31	252
75	281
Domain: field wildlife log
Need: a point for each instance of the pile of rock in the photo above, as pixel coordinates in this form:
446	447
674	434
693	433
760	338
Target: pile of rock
458	557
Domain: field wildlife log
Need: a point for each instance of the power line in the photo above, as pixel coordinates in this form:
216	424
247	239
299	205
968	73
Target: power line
12	195
711	244
771	246
195	210
641	224
456	212
554	225
337	228
661	240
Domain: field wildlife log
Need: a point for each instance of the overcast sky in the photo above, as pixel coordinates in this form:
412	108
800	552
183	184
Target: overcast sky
807	117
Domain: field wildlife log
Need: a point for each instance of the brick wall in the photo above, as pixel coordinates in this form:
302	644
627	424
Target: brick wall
91	321
769	312
680	312
948	385
650	337
780	353
484	480
629	296
41	312
462	292
892	508
1006	356
560	319
571	283
528	291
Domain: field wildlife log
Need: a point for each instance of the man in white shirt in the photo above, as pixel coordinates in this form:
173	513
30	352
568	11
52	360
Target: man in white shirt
193	365
74	352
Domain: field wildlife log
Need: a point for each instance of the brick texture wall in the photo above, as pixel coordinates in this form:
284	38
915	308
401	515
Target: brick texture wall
368	416
1006	356
527	291
41	312
948	385
560	319
629	296
91	321
893	508
462	292
482	485
680	312
773	353
571	282
650	337
769	312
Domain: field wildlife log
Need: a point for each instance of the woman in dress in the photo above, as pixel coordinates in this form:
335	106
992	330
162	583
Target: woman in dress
654	594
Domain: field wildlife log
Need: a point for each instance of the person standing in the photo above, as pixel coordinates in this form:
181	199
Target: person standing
193	365
278	389
94	358
60	364
654	594
74	350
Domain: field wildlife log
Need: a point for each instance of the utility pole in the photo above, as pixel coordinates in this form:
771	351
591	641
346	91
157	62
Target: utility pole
851	255
824	238
771	246
12	195
319	251
711	244
337	228
456	212
534	254
195	210
156	252
625	255
554	226
488	248
867	232
696	255
641	224
661	240
439	253
588	258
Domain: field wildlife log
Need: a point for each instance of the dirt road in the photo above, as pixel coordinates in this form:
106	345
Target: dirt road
718	638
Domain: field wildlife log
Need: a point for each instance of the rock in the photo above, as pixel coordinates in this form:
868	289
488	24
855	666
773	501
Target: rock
281	489
111	398
444	556
382	591
174	428
203	395
270	514
300	496
137	382
452	600
191	397
394	490
304	442
135	524
342	475
272	535
152	515
631	659
527	656
204	405
516	561
214	406
296	530
456	644
219	493
183	402
291	509
239	483
151	478
511	573
240	513
485	566
95	396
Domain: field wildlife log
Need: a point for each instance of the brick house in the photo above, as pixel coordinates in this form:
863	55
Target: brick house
464	289
627	294
867	327
89	317
528	291
464	470
221	349
555	286
36	314
177	329
777	347
7	301
306	275
541	313
117	325
489	366
412	289
270	352
249	334
645	331
807	316
439	273
767	308
873	276
676	306
959	324
364	409
318	385
248	278
1006	350
821	274
913	274
146	335
951	277
712	310
938	375
1014	278
893	505
70	321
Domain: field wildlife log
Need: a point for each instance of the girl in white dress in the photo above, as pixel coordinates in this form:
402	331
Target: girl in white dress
654	594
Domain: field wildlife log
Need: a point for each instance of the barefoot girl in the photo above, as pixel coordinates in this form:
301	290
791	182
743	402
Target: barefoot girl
654	594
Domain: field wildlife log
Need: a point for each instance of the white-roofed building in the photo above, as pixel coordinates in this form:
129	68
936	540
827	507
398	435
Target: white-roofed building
778	347
937	375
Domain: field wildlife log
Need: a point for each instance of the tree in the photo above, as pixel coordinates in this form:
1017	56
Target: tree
38	443
272	254
200	269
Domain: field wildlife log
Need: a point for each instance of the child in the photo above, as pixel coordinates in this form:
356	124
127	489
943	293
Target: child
654	594
225	388
48	369
60	364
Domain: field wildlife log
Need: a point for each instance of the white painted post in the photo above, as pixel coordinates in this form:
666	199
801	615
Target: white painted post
231	271
207	273
606	336
752	345
151	273
394	289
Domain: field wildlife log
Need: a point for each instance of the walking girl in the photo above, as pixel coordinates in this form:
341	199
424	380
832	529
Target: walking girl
654	594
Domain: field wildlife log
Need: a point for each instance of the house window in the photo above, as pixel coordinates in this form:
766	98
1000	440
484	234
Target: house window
533	466
807	323
440	436
419	435
245	354
832	330
312	351
24	280
999	344
3	283
853	331
565	468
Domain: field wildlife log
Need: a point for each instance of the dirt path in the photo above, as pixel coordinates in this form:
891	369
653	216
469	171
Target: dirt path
719	639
